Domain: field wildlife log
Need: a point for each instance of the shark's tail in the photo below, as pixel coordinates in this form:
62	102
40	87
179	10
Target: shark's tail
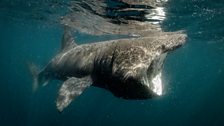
34	70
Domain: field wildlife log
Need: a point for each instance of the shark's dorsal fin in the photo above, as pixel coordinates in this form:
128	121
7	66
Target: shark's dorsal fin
70	89
67	39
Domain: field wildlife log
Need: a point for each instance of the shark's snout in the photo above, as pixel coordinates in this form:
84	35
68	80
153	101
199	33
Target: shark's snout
174	41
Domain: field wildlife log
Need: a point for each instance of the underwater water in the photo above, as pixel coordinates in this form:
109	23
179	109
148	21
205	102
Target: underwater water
193	74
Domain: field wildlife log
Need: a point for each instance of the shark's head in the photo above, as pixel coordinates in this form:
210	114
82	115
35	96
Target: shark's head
137	70
153	76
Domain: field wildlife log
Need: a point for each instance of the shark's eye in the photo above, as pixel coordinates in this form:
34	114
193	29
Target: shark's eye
163	48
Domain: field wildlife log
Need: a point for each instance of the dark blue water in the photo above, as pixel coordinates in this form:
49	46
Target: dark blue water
193	74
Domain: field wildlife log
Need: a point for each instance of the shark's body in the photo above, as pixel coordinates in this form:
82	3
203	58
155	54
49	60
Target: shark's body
129	68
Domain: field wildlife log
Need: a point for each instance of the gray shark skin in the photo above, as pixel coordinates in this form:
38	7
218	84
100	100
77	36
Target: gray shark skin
129	68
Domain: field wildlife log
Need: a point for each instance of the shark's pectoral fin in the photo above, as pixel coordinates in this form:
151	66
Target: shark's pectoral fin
71	89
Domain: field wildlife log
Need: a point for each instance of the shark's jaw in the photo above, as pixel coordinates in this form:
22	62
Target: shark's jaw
157	86
153	78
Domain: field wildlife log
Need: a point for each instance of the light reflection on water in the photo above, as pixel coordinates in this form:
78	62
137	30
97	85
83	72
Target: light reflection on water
156	15
125	17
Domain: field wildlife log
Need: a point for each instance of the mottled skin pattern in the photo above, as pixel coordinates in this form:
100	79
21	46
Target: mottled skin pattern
129	68
125	66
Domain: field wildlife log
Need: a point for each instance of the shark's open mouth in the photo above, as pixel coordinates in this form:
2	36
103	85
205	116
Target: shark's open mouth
153	79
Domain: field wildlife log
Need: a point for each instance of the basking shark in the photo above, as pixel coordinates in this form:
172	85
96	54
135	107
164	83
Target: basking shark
129	68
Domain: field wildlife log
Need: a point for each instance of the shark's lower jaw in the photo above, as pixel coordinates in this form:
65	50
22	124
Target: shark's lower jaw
157	86
154	84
